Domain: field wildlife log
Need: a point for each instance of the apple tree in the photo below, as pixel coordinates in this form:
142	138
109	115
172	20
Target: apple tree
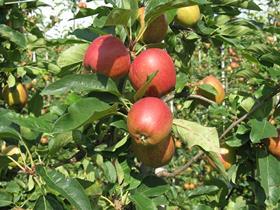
156	105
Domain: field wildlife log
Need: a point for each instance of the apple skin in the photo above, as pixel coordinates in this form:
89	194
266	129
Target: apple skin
15	96
155	156
214	82
149	121
107	55
188	16
274	145
156	30
149	61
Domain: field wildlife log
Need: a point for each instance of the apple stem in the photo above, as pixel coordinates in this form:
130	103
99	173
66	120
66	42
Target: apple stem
143	138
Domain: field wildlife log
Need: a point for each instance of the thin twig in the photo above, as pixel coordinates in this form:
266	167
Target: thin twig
182	168
189	97
201	98
259	103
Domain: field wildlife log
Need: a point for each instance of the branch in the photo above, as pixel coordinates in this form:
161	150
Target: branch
182	168
201	98
189	97
259	103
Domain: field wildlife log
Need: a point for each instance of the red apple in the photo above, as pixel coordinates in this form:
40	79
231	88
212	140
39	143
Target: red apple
109	56
274	145
157	155
149	121
217	85
149	61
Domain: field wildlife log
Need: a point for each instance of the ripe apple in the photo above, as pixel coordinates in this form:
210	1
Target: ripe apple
231	52
189	186
157	155
109	56
149	121
149	61
82	5
274	145
228	68
44	140
214	82
188	16
15	96
156	30
178	143
234	65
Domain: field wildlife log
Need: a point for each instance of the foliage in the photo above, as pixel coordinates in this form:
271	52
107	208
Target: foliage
70	148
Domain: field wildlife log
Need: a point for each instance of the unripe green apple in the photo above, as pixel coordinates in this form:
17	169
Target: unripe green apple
188	16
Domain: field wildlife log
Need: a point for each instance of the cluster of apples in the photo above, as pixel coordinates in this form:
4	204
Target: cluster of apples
149	119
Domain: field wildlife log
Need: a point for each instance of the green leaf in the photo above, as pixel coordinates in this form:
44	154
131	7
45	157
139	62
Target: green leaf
36	104
153	186
117	145
121	124
119	16
142	90
84	111
142	202
58	141
110	17
247	104
72	56
119	171
47	203
12	35
234	30
202	28
195	134
130	178
82	83
268	168
251	5
86	12
203	190
5	199
109	172
34	123
9	132
69	188
201	207
272	57
205	88
261	130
